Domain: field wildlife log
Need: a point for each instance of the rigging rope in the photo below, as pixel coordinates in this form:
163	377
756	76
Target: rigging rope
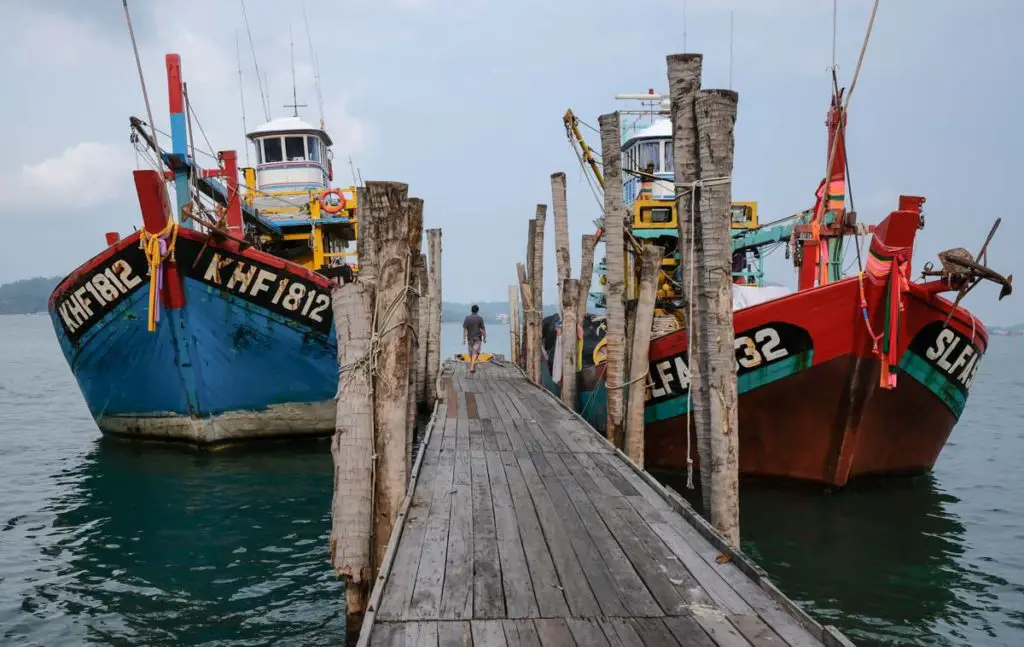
157	249
142	79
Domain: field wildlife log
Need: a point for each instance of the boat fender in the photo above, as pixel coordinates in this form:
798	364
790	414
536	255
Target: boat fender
329	208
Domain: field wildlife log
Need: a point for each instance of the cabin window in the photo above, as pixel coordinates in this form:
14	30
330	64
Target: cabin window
272	150
313	146
650	152
294	148
669	159
259	152
656	215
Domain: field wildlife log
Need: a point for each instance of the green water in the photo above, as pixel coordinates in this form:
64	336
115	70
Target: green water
109	543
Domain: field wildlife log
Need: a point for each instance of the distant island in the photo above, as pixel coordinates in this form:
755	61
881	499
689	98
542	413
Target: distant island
1007	331
29	296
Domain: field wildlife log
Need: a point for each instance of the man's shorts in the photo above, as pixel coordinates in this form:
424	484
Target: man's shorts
474	347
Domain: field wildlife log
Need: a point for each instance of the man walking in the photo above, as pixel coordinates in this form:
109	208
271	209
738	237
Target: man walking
473	333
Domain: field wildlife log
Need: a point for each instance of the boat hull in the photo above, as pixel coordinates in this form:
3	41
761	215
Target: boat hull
811	404
244	348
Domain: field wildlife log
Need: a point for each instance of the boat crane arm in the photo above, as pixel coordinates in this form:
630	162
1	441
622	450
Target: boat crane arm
572	130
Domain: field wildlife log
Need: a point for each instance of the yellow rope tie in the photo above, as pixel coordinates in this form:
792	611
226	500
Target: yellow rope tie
150	244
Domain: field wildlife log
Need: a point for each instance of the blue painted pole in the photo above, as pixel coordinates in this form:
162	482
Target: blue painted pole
179	137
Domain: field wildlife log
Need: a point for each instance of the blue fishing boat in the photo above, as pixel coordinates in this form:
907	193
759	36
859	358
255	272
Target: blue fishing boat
213	323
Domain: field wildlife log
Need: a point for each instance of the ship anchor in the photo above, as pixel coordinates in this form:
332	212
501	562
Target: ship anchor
961	269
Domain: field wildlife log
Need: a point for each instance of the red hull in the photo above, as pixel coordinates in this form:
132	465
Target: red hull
812	404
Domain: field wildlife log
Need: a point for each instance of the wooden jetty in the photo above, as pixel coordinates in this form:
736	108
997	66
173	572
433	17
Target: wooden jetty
524	526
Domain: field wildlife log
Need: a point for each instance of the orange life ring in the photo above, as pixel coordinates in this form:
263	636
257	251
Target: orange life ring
324	206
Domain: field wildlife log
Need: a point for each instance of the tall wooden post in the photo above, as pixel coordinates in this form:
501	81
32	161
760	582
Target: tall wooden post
684	73
639	364
586	274
365	249
570	295
390	213
352	445
561	209
532	348
423	333
614	212
434	318
513	322
716	119
537	283
531	238
413	295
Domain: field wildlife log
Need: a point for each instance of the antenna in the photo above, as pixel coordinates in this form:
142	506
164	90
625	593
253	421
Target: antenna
263	96
295	105
241	96
316	67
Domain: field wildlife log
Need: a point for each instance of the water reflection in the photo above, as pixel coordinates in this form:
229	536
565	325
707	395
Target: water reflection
162	545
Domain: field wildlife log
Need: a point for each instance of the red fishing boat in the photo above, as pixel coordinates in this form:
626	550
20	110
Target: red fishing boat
846	377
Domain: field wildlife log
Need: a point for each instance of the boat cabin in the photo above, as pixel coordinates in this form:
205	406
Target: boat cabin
290	186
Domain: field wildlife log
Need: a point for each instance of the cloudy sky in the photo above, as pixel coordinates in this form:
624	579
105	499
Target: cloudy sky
463	100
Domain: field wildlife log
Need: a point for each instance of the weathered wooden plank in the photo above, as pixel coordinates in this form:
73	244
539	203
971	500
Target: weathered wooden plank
488	633
554	632
488	435
426	595
606	463
396	598
551	600
476	437
457	594
688	631
405	634
756	631
454	634
602	583
628	584
721	631
597	475
586	631
520	633
620	632
571	574
520	601
654	632
488	599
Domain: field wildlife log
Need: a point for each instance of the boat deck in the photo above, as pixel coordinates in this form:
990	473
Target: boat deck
525	527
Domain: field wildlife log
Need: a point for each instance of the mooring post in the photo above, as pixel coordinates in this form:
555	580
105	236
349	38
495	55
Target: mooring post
513	323
365	249
422	333
531	239
684	74
531	334
639	358
352	444
561	209
570	294
716	120
614	212
434	319
413	292
390	211
537	281
586	274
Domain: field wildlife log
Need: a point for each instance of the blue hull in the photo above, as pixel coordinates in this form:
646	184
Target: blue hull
225	366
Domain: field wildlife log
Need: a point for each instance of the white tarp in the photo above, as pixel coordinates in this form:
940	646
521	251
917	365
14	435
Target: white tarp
744	296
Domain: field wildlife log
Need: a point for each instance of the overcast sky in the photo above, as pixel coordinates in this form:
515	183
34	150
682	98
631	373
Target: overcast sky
463	99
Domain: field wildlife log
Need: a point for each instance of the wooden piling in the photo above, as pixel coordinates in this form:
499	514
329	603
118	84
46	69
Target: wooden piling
586	274
684	78
531	349
352	444
365	248
423	333
570	295
537	284
531	235
513	322
390	212
561	209
639	357
413	295
614	213
716	119
434	318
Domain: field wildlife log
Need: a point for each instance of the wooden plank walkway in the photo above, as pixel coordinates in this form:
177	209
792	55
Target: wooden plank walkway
525	527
